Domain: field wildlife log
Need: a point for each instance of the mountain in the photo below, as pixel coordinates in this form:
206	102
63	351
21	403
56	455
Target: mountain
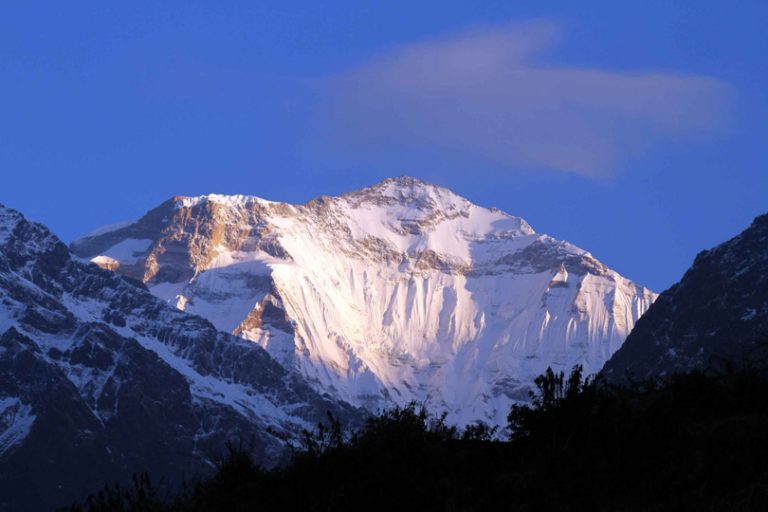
716	315
100	379
397	292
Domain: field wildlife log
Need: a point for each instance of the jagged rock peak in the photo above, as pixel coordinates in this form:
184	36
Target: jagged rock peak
27	238
404	187
411	192
8	220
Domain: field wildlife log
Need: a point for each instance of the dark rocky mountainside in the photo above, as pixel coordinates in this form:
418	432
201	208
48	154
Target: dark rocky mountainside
716	315
99	379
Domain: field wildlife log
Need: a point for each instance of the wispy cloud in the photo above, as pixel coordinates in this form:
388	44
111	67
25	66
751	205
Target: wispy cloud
489	93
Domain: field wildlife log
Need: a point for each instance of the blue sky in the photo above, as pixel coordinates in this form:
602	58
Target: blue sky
636	130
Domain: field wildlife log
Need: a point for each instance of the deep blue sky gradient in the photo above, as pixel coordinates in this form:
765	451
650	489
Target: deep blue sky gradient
107	109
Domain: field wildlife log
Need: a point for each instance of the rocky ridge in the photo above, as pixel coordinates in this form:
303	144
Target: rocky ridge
99	379
715	317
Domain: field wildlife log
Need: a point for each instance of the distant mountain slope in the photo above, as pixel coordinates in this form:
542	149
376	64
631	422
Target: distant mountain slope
100	379
397	292
717	312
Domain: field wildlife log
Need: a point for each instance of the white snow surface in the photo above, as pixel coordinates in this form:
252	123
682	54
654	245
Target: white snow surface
127	252
228	200
406	291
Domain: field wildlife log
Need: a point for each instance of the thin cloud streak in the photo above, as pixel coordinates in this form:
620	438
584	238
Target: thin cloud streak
486	93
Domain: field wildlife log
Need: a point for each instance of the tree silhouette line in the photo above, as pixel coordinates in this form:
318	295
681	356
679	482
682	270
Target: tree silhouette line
695	441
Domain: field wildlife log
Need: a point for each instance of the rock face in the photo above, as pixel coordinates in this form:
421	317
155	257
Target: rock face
397	292
100	379
717	314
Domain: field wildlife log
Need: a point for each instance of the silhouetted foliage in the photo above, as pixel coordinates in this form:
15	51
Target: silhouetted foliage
694	442
141	496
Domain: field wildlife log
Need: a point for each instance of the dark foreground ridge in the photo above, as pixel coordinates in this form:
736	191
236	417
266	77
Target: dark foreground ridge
718	312
694	442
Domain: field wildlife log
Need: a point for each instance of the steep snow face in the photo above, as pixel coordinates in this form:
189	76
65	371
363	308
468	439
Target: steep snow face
401	291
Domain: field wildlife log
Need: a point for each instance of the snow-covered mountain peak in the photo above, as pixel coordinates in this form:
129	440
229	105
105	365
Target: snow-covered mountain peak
399	291
412	217
232	201
411	198
408	191
21	238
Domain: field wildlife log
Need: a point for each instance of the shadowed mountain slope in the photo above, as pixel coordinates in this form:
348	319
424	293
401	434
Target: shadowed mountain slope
716	315
100	379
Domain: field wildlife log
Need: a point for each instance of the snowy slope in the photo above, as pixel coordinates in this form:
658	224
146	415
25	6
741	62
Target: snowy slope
397	292
99	379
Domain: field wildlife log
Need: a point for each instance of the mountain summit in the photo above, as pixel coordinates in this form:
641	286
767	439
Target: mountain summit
396	292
